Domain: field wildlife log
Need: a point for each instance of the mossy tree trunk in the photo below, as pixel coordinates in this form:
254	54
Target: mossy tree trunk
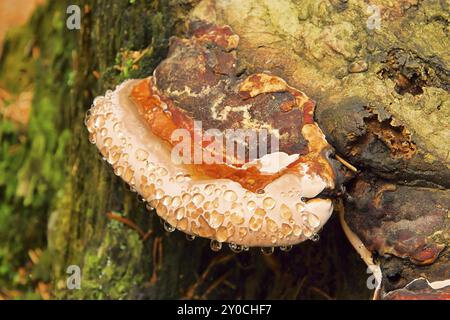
86	207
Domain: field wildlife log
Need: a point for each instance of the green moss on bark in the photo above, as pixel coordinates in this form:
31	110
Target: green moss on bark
117	41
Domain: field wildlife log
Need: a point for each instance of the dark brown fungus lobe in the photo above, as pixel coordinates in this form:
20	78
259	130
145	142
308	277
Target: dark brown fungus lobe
406	228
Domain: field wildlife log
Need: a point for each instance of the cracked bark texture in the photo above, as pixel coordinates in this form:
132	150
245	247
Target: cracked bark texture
382	100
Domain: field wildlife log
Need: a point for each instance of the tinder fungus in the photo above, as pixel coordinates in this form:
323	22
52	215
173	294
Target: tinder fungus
218	153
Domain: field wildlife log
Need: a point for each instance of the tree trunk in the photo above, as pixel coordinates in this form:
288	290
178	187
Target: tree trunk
93	220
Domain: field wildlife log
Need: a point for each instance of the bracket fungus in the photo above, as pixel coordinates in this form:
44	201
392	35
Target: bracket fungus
274	197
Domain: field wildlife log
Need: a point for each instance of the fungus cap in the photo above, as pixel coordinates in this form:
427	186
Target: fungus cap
273	200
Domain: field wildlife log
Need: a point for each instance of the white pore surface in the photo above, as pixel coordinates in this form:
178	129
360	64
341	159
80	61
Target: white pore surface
272	162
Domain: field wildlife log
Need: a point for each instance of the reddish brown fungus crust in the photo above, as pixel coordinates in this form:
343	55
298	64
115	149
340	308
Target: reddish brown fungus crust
419	290
200	76
406	229
401	221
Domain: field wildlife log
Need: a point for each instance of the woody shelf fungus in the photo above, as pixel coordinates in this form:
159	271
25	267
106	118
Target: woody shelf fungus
407	252
219	154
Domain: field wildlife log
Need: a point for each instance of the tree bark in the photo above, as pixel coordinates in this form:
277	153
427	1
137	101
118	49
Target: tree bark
96	223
